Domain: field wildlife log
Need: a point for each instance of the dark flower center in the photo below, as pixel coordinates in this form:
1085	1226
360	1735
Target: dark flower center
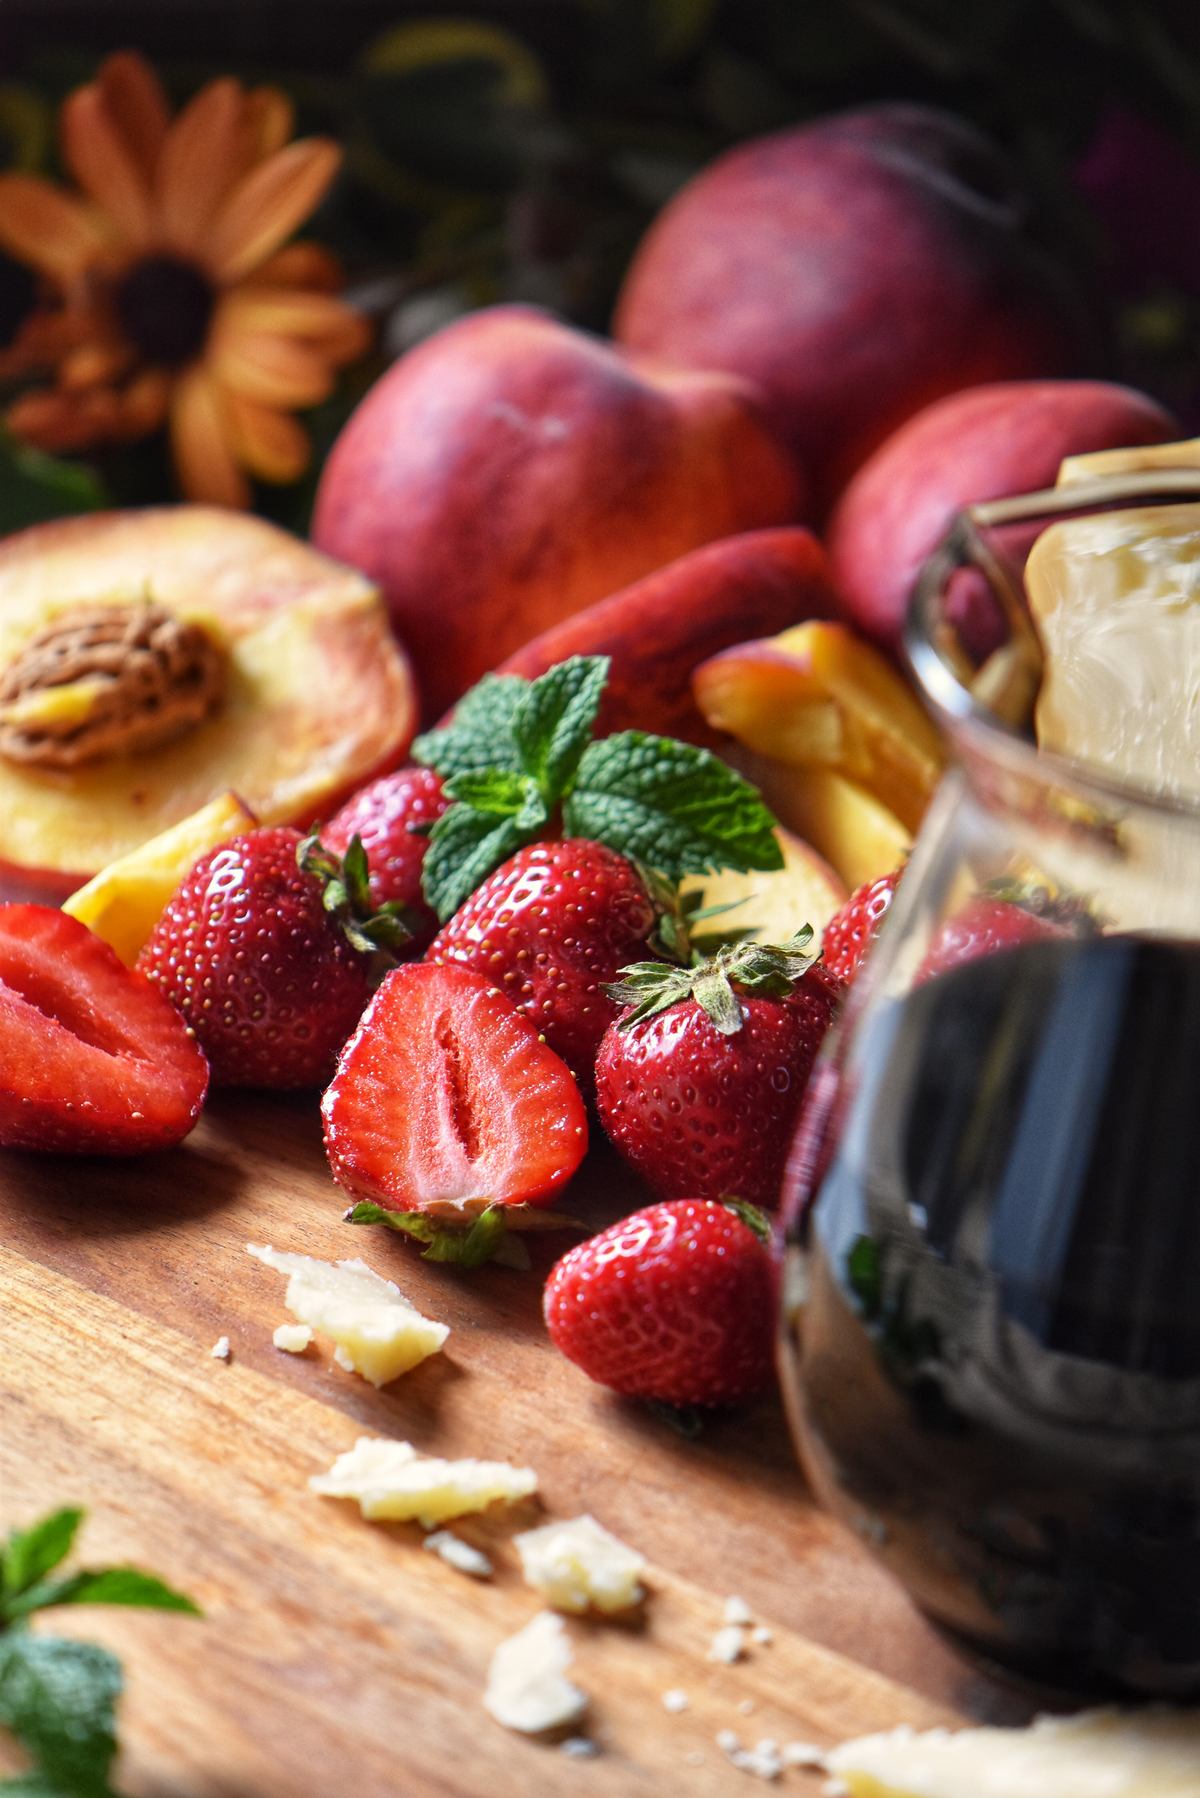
165	307
18	291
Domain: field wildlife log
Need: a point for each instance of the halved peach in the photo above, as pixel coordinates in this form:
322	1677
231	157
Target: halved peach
820	697
773	906
839	820
310	694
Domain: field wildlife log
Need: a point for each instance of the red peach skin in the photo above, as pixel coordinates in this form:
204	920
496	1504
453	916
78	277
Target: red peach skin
511	470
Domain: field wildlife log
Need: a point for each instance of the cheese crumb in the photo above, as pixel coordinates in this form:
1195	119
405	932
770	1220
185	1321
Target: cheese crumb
762	1635
727	1741
220	1349
675	1701
803	1754
394	1483
527	1687
764	1760
727	1645
457	1553
376	1331
580	1748
293	1339
577	1564
738	1611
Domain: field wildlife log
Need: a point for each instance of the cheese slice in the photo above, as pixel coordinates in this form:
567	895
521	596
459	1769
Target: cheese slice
394	1483
577	1564
377	1332
1099	1754
527	1687
1116	599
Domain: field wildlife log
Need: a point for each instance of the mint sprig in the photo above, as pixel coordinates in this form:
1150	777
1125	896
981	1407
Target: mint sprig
519	753
59	1697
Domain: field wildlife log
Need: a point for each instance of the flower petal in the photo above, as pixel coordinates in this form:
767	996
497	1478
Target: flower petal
197	166
42	225
144	403
261	365
56	421
93	364
302	265
204	459
135	102
270	443
269	203
328	324
100	160
268	121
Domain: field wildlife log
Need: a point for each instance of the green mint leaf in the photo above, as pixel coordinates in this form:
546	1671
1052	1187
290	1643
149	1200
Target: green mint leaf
464	847
676	807
552	723
480	734
108	1585
500	792
58	1698
29	1555
34	1784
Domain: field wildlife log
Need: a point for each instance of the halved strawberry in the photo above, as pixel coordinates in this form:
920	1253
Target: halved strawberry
93	1059
446	1101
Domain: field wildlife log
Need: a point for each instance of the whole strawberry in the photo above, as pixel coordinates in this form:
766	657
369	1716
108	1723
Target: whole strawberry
985	925
552	927
383	815
675	1303
698	1085
851	931
263	972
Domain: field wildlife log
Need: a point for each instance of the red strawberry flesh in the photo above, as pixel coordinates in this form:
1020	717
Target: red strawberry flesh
93	1060
675	1303
446	1100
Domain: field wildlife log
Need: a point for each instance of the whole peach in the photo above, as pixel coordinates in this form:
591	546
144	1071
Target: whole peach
985	443
856	269
511	470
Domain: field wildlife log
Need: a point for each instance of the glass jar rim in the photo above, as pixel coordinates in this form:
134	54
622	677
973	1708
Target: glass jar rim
975	726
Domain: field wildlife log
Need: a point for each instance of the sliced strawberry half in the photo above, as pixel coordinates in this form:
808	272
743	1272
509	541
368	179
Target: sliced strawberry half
446	1101
93	1059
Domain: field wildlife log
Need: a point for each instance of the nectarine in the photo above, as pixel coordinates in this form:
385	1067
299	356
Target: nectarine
511	470
985	443
773	906
855	269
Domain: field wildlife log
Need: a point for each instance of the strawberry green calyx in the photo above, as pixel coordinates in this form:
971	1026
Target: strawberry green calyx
760	969
751	1216
1074	911
490	1235
518	760
346	896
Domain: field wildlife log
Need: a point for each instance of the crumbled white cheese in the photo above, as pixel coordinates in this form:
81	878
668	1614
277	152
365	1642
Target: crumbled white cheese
377	1332
527	1687
803	1754
457	1553
580	1748
675	1701
738	1611
220	1349
764	1760
577	1563
727	1646
727	1741
1148	1753
394	1483
761	1635
293	1339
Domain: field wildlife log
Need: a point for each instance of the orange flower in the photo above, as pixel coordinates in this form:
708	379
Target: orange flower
178	301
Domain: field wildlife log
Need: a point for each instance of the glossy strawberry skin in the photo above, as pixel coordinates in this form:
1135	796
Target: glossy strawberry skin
382	814
92	1058
704	1115
248	955
983	926
445	1099
552	927
851	931
675	1303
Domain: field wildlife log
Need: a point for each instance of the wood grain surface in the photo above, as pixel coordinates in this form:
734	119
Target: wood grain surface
337	1654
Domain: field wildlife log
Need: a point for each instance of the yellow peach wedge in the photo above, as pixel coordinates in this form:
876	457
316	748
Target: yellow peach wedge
819	697
773	906
839	820
124	901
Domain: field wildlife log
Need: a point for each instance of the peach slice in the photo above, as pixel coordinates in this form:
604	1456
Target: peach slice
774	906
839	820
124	901
312	695
819	697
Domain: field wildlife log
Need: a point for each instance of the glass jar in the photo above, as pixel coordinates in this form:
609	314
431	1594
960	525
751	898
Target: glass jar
990	1336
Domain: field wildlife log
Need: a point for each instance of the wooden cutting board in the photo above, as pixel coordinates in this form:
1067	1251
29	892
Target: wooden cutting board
337	1654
